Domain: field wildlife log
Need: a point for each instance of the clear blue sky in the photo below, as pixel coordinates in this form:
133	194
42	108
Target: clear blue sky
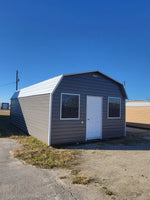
45	38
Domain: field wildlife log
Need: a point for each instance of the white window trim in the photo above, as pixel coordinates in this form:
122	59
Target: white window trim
108	109
125	121
61	107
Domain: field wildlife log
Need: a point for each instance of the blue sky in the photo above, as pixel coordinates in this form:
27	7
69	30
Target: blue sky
45	38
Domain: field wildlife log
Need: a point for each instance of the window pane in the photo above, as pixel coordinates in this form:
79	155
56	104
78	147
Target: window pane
114	107
114	100
70	106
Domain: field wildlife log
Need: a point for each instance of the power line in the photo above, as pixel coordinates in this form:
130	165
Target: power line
7	84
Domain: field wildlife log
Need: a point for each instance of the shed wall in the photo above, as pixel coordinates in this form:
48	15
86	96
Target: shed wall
31	114
94	84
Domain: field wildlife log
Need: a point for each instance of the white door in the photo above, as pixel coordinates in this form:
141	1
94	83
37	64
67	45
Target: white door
94	118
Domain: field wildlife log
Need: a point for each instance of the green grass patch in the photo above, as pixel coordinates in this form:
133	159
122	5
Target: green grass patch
37	153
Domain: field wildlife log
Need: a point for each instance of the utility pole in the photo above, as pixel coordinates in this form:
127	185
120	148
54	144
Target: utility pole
17	80
124	84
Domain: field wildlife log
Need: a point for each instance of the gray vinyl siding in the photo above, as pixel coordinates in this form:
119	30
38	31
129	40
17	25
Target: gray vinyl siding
113	127
31	114
64	131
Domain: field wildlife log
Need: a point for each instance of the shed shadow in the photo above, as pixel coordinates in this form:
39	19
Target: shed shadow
17	118
7	129
15	123
136	139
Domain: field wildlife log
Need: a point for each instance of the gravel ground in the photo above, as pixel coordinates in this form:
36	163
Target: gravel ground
120	167
19	181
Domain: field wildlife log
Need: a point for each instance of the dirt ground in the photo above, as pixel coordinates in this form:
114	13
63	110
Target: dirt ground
5	112
139	115
120	167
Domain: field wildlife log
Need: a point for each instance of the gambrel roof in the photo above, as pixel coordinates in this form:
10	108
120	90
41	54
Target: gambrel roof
48	86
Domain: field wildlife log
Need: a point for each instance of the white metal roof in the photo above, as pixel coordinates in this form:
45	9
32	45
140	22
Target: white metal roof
138	104
44	87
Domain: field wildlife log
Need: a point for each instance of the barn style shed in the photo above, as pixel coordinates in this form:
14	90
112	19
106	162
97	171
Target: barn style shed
71	108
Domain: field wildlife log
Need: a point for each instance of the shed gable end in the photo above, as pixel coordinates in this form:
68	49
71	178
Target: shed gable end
88	84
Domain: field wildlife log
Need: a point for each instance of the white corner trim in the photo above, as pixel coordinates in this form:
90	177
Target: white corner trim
50	114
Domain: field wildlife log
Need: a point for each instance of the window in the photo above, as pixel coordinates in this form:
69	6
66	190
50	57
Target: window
69	106
5	106
114	107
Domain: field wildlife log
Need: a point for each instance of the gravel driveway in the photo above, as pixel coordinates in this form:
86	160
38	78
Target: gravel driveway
19	181
119	166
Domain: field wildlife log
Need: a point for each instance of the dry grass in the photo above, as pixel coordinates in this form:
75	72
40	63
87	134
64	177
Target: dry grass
36	153
75	171
107	192
81	179
5	112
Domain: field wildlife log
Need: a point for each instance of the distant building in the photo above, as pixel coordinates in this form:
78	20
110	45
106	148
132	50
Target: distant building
4	106
138	114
